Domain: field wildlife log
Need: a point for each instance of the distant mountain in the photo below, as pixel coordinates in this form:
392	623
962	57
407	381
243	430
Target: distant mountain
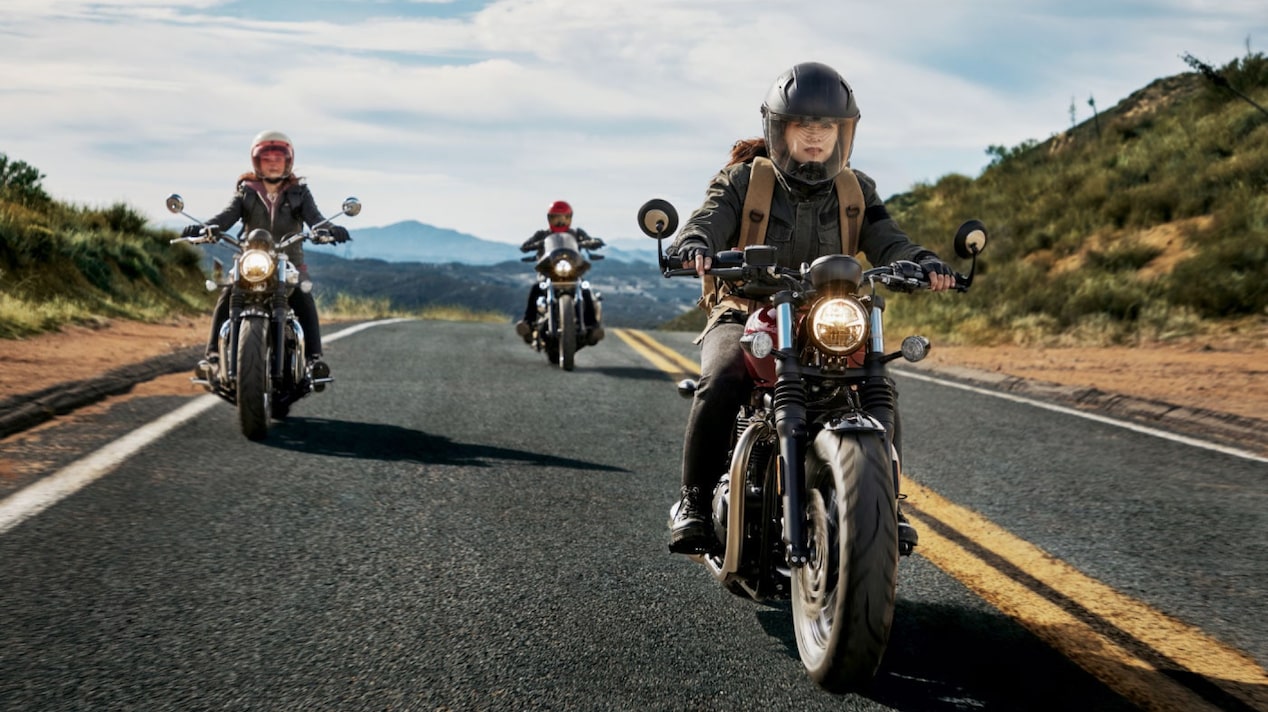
413	241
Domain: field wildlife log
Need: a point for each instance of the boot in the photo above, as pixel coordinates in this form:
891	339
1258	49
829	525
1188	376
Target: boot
208	368
525	331
689	530
318	369
907	536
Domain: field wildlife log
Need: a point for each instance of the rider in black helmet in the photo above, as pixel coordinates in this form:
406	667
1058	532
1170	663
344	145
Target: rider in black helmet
808	121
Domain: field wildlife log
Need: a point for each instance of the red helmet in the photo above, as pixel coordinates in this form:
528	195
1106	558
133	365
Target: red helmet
272	141
559	215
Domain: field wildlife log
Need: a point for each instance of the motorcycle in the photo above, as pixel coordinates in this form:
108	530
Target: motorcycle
808	509
569	312
264	369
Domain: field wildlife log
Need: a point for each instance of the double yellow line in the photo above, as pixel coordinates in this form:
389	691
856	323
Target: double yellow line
1148	657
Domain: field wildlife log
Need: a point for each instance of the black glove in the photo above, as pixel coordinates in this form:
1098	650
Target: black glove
339	233
932	265
192	231
688	253
593	243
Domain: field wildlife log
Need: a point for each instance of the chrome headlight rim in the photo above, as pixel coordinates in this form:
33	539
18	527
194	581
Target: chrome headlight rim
838	325
563	268
256	266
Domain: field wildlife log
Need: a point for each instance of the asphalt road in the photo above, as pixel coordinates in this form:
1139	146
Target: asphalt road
457	525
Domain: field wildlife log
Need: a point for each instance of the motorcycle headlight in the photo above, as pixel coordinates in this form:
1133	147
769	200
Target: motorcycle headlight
563	268
838	326
256	266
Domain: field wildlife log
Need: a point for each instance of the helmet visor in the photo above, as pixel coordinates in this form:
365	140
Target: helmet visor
809	149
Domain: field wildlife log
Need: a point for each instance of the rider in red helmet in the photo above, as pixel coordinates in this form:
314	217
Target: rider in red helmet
559	219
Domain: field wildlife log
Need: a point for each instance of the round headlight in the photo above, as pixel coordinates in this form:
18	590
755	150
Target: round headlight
838	326
563	268
256	266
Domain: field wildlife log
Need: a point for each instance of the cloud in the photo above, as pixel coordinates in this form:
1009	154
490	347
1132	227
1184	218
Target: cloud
475	116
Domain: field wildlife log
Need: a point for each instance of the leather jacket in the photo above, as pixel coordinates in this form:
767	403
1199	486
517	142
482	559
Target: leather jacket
293	208
804	224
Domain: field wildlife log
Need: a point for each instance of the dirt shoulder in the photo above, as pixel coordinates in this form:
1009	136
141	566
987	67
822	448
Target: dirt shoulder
1227	378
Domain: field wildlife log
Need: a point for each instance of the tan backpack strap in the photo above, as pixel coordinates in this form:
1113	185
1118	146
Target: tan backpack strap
756	213
850	204
754	217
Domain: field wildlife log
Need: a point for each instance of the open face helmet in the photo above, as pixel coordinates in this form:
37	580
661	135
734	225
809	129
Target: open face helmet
808	120
269	142
559	215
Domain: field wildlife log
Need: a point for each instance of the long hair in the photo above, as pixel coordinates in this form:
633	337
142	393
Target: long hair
746	149
290	180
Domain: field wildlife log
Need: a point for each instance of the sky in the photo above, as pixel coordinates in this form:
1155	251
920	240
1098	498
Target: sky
475	115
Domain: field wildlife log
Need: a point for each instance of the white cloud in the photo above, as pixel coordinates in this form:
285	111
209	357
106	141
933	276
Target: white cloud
478	121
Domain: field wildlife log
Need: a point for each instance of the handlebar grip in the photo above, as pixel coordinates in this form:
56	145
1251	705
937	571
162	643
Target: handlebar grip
681	272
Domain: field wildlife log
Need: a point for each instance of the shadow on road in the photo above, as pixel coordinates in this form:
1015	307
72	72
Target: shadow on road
943	657
379	441
633	373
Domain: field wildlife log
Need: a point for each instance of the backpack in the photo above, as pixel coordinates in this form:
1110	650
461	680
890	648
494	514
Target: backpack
755	217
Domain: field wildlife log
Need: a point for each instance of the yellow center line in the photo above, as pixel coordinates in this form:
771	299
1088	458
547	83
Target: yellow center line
660	355
1135	649
1124	642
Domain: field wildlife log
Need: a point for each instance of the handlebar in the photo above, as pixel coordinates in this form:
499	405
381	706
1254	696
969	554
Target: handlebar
900	276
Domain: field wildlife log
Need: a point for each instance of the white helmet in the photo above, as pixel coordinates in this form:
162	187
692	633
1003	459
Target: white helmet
272	141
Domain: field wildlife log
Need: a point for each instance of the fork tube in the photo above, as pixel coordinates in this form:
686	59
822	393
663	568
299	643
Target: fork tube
790	425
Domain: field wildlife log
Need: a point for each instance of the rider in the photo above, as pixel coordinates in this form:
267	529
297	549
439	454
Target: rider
273	198
559	218
808	119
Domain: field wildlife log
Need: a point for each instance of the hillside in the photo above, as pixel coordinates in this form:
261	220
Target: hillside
1147	222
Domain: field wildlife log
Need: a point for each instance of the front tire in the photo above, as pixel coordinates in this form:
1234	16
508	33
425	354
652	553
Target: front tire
567	332
254	378
843	599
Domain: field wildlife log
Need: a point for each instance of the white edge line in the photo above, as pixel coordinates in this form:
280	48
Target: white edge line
1090	416
44	493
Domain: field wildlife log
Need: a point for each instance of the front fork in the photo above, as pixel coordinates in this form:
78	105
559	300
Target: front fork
790	428
876	394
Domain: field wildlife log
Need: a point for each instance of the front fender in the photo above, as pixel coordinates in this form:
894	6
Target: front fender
853	421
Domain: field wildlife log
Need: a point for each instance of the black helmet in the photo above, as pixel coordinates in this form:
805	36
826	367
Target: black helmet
812	98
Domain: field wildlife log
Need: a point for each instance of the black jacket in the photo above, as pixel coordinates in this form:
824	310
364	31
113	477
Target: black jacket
295	207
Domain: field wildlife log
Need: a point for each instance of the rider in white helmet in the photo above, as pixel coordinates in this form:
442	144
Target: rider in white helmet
273	198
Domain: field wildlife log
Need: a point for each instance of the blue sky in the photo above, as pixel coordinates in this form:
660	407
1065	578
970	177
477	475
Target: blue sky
476	115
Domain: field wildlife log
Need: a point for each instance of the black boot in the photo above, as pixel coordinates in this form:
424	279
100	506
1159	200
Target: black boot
689	530
907	536
319	370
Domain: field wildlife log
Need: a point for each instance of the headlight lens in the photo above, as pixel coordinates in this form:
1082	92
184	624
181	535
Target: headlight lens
838	326
563	268
256	265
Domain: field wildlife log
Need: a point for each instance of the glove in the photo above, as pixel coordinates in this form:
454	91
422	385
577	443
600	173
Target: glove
593	243
933	265
688	253
339	233
192	231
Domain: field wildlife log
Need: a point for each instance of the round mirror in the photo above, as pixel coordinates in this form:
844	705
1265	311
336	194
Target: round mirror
175	203
351	206
658	218
970	239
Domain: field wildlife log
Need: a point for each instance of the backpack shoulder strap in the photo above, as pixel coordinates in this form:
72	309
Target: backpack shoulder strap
754	217
756	213
850	204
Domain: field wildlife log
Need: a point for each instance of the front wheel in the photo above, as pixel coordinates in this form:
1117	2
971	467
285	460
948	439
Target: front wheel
254	378
843	599
567	331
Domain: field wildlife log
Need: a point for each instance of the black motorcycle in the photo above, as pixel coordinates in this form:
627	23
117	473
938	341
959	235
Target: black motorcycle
809	507
569	312
264	369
